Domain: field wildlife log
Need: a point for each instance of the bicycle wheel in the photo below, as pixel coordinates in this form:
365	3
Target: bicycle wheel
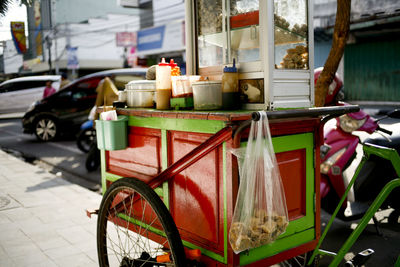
137	230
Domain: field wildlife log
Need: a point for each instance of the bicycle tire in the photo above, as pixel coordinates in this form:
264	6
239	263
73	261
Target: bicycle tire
163	219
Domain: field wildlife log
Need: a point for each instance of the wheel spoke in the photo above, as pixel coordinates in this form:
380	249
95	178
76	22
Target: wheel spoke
50	124
42	123
51	132
45	135
131	238
39	131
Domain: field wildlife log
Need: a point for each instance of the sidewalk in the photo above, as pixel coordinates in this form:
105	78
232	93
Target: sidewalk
16	115
42	218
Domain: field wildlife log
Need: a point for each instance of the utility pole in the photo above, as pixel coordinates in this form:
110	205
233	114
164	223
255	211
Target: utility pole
48	36
48	42
53	13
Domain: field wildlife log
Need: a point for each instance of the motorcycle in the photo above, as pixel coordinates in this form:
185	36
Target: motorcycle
340	151
93	157
87	142
86	136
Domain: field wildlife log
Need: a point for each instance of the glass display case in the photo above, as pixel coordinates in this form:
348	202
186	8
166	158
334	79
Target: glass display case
270	40
290	34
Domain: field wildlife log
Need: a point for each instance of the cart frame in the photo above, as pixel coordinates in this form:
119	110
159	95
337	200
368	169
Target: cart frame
235	131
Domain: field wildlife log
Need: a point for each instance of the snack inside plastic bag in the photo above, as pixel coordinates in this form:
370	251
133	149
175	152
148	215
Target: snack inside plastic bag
260	214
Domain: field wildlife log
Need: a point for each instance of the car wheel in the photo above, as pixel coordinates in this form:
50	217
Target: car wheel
46	129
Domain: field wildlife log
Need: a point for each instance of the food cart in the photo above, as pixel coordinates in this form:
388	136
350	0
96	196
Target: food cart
184	155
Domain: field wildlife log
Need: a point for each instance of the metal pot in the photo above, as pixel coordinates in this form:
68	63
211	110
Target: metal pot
140	93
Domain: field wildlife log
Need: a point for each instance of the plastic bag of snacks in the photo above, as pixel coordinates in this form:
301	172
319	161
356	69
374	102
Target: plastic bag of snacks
260	214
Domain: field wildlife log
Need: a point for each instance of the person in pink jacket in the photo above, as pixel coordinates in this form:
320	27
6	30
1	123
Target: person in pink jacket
48	90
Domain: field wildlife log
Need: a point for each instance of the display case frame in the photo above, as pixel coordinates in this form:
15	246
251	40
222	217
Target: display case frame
283	88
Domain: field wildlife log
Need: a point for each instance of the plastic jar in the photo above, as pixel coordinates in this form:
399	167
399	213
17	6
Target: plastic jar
175	70
163	85
230	88
182	85
207	95
140	93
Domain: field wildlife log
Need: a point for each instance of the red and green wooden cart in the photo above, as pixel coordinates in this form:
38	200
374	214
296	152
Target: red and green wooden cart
185	157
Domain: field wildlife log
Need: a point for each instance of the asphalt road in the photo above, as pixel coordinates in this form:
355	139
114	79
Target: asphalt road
65	159
61	157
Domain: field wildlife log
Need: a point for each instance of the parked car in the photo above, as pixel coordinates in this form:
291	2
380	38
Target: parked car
16	95
65	111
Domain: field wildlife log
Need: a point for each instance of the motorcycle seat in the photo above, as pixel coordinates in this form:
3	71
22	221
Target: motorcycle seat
381	141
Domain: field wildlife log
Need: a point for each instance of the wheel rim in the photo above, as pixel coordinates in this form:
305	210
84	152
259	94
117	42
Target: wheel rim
120	244
46	129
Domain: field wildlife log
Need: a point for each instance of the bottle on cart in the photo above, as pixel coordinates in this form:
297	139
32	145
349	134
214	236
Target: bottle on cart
163	85
175	70
230	88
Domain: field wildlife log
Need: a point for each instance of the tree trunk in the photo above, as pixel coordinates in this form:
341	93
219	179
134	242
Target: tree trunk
341	30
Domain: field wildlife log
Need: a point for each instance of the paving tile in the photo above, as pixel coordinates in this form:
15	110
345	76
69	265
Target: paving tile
62	252
4	219
29	258
28	201
80	259
49	216
87	246
46	263
52	243
3	254
18	214
61	224
12	235
7	262
82	219
21	249
38	231
76	234
30	225
92	254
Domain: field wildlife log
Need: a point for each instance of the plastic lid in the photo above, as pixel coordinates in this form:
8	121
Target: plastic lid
163	63
231	69
172	64
141	85
207	82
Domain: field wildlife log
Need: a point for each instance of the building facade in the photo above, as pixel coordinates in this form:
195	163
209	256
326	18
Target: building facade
371	60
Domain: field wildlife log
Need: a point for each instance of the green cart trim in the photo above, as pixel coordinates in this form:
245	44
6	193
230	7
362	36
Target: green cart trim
192	125
164	165
277	247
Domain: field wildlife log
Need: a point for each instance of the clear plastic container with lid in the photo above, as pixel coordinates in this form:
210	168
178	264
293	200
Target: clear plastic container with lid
182	85
207	95
140	93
